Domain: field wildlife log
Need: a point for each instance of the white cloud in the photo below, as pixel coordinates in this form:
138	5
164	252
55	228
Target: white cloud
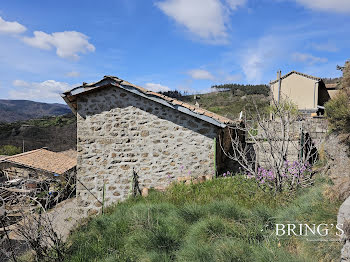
341	6
48	91
68	43
207	19
234	4
20	83
253	66
11	27
258	58
73	74
328	47
233	78
308	58
200	74
156	87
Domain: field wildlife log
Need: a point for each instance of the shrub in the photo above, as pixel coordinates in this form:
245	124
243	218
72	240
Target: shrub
10	150
338	113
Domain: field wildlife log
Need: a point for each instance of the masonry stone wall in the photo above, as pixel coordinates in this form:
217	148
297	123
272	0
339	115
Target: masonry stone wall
118	131
315	128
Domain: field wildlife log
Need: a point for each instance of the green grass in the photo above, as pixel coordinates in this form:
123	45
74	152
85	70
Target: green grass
220	220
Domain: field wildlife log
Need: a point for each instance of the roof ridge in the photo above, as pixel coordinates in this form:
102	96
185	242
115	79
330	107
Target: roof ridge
25	153
299	73
70	99
181	103
43	159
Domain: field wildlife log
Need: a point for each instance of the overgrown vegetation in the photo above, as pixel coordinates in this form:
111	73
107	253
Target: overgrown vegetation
226	219
9	150
338	109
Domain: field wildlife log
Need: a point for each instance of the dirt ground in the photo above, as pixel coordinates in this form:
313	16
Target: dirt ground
65	217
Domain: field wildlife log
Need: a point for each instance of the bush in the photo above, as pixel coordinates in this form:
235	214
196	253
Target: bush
9	150
338	113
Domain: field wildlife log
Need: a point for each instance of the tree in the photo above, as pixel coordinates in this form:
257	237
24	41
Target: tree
338	108
266	153
9	150
245	89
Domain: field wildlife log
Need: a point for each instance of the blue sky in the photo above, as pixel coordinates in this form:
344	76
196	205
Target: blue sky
47	47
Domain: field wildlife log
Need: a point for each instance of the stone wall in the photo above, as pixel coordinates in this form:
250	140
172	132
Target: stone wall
119	131
315	130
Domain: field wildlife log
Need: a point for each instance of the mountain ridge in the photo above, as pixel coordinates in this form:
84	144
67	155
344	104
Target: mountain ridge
20	110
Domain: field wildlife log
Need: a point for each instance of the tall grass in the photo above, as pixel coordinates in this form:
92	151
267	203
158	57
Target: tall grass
220	220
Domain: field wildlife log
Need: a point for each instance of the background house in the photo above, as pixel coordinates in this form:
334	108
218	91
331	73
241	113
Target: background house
122	127
309	93
333	89
38	164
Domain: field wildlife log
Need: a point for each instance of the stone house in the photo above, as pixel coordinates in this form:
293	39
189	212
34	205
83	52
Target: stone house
37	165
309	93
121	127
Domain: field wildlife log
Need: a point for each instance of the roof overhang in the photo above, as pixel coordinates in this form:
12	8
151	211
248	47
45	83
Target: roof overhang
70	97
317	79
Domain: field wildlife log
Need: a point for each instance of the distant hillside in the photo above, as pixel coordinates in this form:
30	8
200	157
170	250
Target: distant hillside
228	104
229	101
58	133
18	110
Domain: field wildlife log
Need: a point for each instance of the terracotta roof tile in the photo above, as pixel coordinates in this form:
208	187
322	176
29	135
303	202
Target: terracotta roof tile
120	82
43	159
335	85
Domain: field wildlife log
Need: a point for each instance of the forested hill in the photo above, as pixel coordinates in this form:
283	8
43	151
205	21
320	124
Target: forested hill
58	133
19	110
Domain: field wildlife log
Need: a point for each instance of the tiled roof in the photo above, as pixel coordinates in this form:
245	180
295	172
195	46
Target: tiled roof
332	86
43	159
70	97
298	73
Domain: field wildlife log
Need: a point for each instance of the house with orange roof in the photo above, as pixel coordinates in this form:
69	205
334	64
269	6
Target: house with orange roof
38	164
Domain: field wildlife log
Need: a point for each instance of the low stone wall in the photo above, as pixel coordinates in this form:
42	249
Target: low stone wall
315	128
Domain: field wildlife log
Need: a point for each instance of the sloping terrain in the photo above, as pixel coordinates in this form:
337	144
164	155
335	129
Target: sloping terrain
18	110
225	219
228	104
56	133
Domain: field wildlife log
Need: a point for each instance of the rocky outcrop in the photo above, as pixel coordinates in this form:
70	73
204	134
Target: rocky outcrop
343	220
337	156
339	171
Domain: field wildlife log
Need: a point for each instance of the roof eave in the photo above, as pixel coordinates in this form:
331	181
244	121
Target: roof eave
70	98
35	168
